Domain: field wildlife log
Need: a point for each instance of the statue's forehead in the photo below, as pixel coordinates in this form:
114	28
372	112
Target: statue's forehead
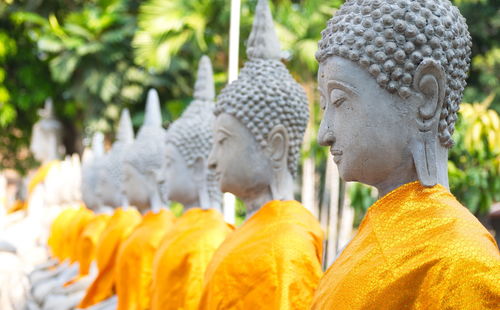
228	123
171	150
339	68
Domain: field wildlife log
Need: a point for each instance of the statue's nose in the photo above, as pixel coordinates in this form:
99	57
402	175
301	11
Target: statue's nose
325	135
212	162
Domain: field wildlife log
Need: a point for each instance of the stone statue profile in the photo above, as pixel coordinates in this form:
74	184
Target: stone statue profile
391	76
188	142
46	144
260	122
420	56
261	117
201	228
90	171
110	178
145	158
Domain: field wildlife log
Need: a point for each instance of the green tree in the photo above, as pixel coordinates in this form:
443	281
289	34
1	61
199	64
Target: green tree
474	165
483	19
24	85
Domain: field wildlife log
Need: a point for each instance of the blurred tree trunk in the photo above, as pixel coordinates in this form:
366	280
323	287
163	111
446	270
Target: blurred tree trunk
346	220
72	137
329	215
308	162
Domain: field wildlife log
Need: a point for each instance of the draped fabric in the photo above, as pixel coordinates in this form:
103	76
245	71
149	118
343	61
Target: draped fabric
416	248
135	260
78	223
87	243
40	175
120	226
18	205
273	261
58	231
183	256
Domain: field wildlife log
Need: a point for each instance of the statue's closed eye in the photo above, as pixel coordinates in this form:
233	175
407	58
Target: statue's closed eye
221	140
337	97
322	103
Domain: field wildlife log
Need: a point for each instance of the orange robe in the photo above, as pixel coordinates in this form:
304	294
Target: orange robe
40	175
86	245
273	261
119	227
135	260
87	242
82	217
183	256
59	232
417	248
18	205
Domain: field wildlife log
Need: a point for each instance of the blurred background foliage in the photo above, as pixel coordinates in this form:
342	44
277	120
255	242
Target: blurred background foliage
94	57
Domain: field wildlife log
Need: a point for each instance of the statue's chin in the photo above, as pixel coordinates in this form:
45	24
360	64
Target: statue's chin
227	187
347	175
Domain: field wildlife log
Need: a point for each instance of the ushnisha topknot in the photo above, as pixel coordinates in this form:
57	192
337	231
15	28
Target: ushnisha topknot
125	133
391	38
204	88
192	132
146	154
265	94
263	42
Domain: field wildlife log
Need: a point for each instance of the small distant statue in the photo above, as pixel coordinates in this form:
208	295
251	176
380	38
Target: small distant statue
46	138
144	160
109	182
90	171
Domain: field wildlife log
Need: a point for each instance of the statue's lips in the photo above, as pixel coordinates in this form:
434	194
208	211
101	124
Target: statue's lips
336	155
217	176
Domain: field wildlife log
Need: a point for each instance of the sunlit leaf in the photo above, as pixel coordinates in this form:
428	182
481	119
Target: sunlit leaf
63	66
50	44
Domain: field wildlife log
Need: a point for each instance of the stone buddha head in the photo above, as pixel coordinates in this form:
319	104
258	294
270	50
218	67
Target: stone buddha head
90	171
46	140
144	159
110	179
260	121
391	76
188	142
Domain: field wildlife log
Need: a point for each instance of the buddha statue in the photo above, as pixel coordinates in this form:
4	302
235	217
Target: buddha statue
179	264
260	121
145	158
188	143
122	223
391	76
90	172
46	137
110	180
141	169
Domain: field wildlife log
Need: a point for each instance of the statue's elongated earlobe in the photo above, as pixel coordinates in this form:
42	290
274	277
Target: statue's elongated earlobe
200	177
423	149
429	82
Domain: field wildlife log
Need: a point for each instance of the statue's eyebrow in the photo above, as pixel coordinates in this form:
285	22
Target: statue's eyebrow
321	91
225	131
336	84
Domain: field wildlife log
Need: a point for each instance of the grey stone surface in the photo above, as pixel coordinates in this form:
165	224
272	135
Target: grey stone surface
90	172
145	158
45	141
391	78
260	122
110	179
185	176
